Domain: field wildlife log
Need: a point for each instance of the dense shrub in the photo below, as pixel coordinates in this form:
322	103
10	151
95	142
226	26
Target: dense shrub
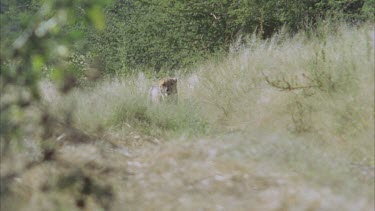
168	35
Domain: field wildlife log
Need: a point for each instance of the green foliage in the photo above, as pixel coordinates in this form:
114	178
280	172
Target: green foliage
43	44
160	34
26	51
14	18
168	35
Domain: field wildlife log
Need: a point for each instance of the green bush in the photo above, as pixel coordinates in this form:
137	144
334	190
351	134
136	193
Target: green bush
167	35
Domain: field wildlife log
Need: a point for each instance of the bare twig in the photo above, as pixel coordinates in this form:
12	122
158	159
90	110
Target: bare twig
213	15
285	85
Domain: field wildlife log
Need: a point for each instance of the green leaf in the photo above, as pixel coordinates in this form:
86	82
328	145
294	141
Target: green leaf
97	17
57	74
37	63
76	34
16	113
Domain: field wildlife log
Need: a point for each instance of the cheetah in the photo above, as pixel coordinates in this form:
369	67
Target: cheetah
166	90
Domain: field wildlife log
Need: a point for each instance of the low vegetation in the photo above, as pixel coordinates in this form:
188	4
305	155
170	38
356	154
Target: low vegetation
284	123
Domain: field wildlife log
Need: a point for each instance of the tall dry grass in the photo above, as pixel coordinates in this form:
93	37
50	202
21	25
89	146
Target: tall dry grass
124	107
303	102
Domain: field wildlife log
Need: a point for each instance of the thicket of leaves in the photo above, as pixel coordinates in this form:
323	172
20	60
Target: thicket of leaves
169	34
43	43
33	40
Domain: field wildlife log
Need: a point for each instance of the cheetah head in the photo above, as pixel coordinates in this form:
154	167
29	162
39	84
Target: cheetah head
168	86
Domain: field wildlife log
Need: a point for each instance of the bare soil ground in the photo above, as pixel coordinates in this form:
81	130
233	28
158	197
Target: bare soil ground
175	175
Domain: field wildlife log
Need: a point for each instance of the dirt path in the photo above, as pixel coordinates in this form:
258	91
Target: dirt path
206	175
174	175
